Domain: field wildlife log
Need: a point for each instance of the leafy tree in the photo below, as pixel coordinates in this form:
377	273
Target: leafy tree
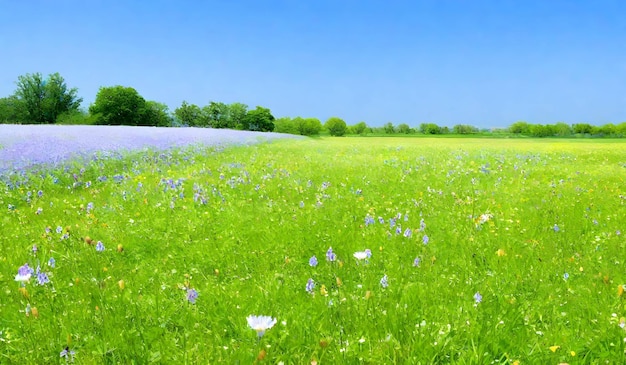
464	129
359	128
520	127
389	128
582	128
188	114
404	128
44	100
12	110
259	119
562	129
336	126
156	114
308	126
609	129
238	112
285	125
431	128
218	115
118	105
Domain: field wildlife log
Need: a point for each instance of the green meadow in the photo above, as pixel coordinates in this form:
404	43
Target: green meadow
363	250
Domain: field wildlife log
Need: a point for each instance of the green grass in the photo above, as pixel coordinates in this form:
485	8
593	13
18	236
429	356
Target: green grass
271	207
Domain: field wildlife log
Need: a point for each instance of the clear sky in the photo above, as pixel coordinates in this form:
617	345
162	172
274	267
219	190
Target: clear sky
485	63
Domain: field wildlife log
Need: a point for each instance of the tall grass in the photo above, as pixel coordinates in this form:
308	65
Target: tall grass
482	251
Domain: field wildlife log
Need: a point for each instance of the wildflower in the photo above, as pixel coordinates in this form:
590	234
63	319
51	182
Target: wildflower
99	246
554	348
556	228
24	273
406	217
392	222
40	193
192	295
261	323
310	286
362	255
323	290
42	277
408	233
89	207
369	220
67	354
384	282
425	239
478	298
398	230
52	262
416	262
34	249
565	276
381	220
330	255
39	211
313	261
59	229
422	225
301	204
500	252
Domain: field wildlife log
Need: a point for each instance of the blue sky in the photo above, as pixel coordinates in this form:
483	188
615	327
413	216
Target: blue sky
485	63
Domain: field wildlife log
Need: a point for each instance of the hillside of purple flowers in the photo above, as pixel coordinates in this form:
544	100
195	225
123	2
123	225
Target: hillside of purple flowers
23	146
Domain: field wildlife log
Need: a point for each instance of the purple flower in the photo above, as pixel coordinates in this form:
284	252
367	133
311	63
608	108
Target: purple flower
330	255
478	298
408	233
52	262
381	220
369	220
42	277
565	276
67	354
392	222
416	262
398	230
99	246
384	282
34	249
310	286
425	239
556	228
40	193
59	229
422	225
192	295
39	211
89	207
24	273
313	261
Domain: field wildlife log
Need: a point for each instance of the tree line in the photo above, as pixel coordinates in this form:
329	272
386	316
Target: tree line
39	100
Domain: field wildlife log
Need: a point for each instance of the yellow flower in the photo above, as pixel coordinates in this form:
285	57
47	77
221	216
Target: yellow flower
554	348
121	284
620	290
500	253
323	290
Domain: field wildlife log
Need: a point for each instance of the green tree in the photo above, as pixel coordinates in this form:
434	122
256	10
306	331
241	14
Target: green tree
359	128
389	128
562	129
238	112
520	127
259	119
336	126
188	114
464	129
431	128
308	126
217	114
156	114
44	100
118	105
404	128
285	125
12	110
582	128
76	117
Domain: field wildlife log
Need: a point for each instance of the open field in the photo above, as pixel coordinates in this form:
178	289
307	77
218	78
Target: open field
480	251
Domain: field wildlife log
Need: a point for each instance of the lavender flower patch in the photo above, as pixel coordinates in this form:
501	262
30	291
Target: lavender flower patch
24	146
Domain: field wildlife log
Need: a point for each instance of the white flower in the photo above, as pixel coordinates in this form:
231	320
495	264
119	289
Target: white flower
261	323
362	255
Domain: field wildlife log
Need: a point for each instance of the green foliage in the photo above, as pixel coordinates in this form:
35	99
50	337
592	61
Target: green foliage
360	128
259	119
12	110
189	114
520	128
119	105
582	128
76	117
336	126
43	100
464	129
237	113
218	115
285	125
389	128
431	128
404	128
157	114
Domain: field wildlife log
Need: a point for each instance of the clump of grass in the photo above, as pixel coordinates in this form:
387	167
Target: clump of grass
376	250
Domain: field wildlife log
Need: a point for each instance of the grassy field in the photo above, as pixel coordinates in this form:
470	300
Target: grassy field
363	250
